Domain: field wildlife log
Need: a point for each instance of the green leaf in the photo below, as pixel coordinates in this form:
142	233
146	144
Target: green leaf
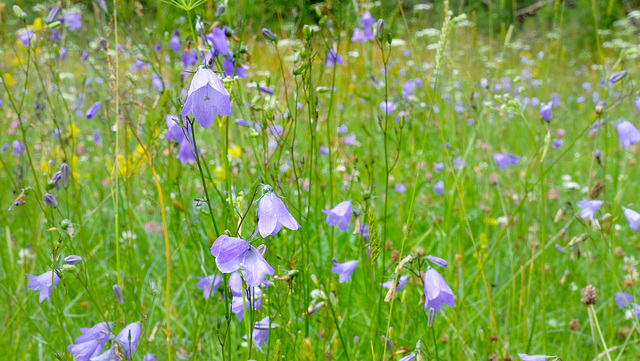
374	237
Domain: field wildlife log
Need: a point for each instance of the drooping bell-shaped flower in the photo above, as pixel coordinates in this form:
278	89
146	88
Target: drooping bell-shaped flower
344	270
229	64
91	342
234	254
633	218
504	160
241	303
273	214
367	20
388	106
260	334
209	284
127	340
358	36
91	112
174	43
436	291
207	97
339	215
588	208
628	134
219	40
43	283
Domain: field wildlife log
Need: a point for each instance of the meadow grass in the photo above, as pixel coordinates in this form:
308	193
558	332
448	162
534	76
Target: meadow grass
142	208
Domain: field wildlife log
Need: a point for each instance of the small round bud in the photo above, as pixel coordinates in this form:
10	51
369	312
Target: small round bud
73	259
50	200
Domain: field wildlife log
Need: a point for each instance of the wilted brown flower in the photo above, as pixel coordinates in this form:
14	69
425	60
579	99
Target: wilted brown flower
589	295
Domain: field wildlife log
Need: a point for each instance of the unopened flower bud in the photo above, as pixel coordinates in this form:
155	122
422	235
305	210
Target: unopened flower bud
380	29
268	34
307	32
117	291
220	10
431	315
65	223
19	12
73	259
50	200
65	173
262	249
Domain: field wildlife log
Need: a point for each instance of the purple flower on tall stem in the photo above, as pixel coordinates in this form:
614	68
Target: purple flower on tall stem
241	302
339	215
234	254
628	134
230	65
545	111
333	58
633	218
323	150
157	82
436	291
91	112
174	44
206	98
504	160
209	284
344	270
367	20
623	299
91	342
358	36
43	283
588	208
273	214
127	340
265	89
525	357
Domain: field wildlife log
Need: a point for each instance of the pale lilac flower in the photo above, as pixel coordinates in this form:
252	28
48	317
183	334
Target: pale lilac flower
438	167
459	163
438	189
616	77
633	218
92	341
350	139
207	97
149	357
436	291
209	284
342	129
628	134
410	357
73	21
234	254
324	150
157	82
43	283
358	36
588	208
241	302
127	340
556	143
339	215
344	270
174	44
504	160
623	299
401	283
637	104
219	40
260	334
400	188
388	106
230	65
273	214
437	261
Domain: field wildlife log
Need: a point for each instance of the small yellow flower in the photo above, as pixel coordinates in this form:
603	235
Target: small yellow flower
9	79
235	152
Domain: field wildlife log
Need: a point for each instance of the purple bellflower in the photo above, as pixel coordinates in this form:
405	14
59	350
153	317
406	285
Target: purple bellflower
219	40
207	97
43	283
333	58
633	218
628	134
73	21
339	215
623	299
504	160
344	270
209	284
388	106
588	208
260	334
525	357
127	340
174	44
545	111
437	261
92	341
401	283
241	302
91	112
273	214
234	254
436	291
438	189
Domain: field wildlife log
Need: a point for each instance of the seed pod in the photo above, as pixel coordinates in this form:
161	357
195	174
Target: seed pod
50	200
